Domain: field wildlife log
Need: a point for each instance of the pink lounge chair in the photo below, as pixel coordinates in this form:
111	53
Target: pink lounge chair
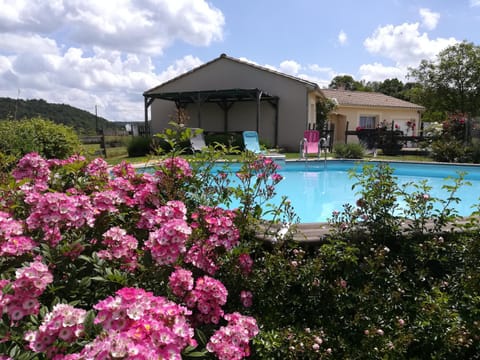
310	143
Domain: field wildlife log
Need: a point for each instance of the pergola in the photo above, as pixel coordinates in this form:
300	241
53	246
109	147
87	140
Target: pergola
225	98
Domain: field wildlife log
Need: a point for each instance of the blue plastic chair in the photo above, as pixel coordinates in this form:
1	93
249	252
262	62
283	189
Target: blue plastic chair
250	140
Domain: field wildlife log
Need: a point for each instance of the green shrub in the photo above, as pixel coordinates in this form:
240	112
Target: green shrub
349	151
139	146
7	163
226	139
50	140
448	150
473	152
372	290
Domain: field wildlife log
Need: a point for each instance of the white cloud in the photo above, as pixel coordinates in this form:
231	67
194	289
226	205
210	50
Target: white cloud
249	61
342	37
108	79
146	27
474	3
102	54
429	18
379	72
322	82
318	68
181	66
290	67
31	16
405	44
23	44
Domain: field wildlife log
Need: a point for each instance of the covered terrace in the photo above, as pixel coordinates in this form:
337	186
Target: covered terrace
225	99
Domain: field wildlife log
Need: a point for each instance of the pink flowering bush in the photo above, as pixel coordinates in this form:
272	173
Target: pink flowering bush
20	297
215	235
81	243
63	324
232	341
139	325
12	240
120	247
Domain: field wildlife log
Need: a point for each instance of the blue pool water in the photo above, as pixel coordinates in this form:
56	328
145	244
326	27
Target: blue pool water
316	190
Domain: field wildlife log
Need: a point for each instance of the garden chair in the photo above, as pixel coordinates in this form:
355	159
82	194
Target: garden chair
310	144
197	142
250	141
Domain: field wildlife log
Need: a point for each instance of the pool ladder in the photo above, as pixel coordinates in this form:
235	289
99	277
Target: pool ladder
322	142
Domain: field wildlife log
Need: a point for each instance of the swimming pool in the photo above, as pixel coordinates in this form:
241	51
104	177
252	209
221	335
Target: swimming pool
316	188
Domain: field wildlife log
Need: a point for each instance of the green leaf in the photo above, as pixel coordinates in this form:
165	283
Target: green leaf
196	354
201	337
88	323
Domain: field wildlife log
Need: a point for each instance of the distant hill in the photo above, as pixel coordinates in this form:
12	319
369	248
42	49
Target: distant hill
82	121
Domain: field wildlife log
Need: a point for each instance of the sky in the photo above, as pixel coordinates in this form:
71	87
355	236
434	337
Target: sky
103	55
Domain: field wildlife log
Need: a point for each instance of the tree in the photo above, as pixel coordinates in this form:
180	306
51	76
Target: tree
451	83
391	87
324	107
346	82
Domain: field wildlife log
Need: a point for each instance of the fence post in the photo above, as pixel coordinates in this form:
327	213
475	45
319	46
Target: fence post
346	132
103	146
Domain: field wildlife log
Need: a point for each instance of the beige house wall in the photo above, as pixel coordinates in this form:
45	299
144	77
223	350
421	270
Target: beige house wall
351	115
296	107
312	110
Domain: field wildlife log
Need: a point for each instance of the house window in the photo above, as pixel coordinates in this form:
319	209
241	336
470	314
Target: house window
367	122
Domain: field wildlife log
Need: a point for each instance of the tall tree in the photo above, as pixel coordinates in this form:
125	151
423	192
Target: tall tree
391	87
451	83
346	82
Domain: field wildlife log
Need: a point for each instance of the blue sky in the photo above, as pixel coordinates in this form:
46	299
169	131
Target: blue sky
107	53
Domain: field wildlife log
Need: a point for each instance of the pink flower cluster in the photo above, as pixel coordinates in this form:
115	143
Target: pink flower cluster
263	162
245	263
219	224
246	298
176	167
64	322
231	342
220	232
31	281
62	162
167	243
152	218
120	247
181	282
33	167
203	257
53	212
124	170
97	168
107	201
12	240
208	297
147	193
139	325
